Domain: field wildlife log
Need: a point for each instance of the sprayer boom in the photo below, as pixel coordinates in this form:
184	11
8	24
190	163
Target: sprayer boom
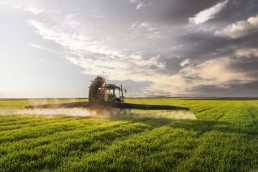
59	105
120	105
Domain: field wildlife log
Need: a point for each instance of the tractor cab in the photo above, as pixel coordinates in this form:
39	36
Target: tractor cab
113	93
99	91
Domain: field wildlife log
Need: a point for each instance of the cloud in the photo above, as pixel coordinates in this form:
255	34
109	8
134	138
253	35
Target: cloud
143	47
214	71
247	52
34	10
145	30
249	89
37	46
142	5
207	14
185	62
239	29
43	48
139	6
215	75
71	21
96	57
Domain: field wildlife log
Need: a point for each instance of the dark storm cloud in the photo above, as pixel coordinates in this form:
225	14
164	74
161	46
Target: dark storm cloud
247	65
173	65
177	11
201	45
152	10
237	10
232	89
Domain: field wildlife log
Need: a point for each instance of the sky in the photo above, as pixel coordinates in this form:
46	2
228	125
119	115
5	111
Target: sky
54	48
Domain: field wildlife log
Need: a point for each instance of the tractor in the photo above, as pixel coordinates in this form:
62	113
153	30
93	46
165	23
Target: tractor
107	99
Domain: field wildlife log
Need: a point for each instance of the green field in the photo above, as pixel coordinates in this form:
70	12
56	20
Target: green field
223	137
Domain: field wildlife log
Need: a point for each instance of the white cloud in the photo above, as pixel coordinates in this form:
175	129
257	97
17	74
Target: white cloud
211	72
133	1
145	30
43	48
185	62
141	5
247	52
239	29
96	57
134	25
34	10
207	14
36	46
253	20
71	21
215	72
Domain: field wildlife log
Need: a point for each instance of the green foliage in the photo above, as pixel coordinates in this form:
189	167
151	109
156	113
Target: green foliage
222	138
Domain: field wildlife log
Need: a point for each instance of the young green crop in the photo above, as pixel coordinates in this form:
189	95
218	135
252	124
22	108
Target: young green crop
222	138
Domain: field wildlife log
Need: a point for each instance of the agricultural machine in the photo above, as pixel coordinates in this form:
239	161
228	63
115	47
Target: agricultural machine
107	98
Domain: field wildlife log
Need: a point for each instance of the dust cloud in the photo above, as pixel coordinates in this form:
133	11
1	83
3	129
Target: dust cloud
59	111
169	115
7	111
47	101
177	115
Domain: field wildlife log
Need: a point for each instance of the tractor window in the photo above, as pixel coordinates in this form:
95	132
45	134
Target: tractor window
117	92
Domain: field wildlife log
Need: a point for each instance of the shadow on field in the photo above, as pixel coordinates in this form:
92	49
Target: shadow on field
200	126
